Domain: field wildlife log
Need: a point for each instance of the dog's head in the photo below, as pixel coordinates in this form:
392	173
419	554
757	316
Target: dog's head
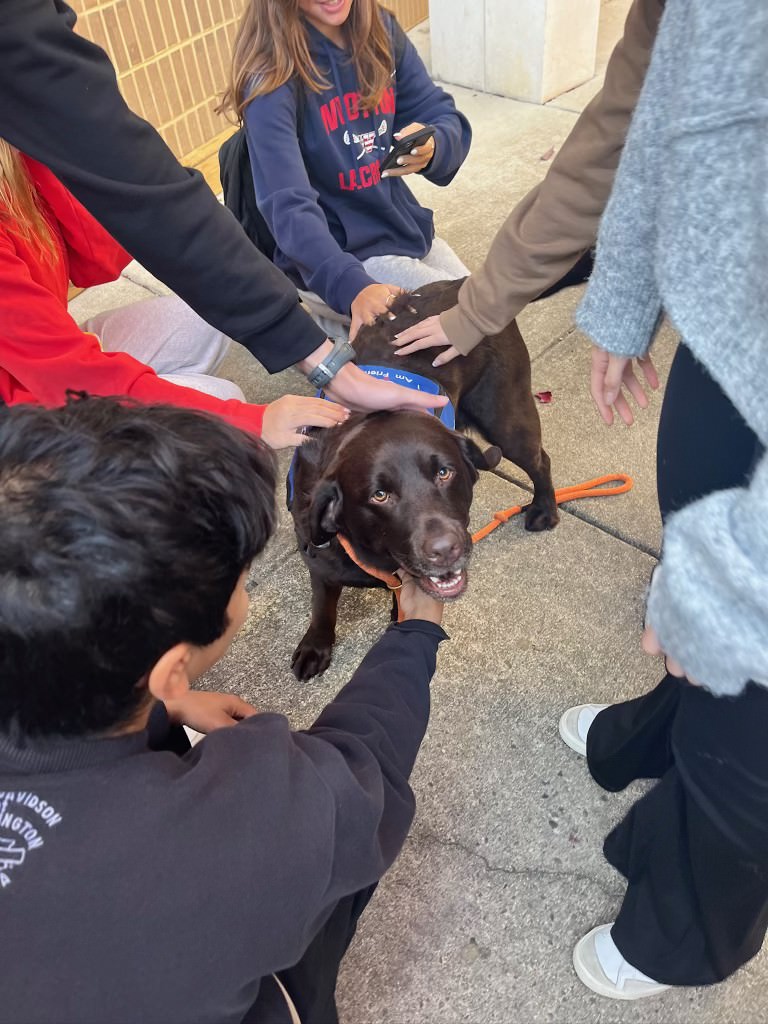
399	487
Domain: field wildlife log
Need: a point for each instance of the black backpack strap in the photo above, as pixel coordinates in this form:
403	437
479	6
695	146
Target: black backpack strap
237	182
239	193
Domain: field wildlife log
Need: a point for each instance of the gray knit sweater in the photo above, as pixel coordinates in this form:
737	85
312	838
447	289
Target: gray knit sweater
686	232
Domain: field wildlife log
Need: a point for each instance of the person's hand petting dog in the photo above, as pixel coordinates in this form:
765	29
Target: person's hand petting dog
372	301
610	375
415	161
425	334
354	389
284	418
205	712
415	603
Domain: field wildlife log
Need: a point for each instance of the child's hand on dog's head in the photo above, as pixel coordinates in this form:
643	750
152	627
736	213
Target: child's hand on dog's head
415	603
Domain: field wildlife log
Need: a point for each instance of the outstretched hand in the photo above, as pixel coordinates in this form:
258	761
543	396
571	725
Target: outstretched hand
425	334
284	418
610	374
357	390
354	389
415	603
205	712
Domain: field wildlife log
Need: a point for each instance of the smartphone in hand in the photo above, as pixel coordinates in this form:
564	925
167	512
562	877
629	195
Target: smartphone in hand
403	146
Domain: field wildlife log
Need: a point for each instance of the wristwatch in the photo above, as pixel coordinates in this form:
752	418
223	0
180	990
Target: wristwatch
341	353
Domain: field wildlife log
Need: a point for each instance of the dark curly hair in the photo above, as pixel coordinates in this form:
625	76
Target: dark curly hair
123	531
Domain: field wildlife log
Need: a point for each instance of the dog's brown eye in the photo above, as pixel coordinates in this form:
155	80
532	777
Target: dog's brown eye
445	473
380	496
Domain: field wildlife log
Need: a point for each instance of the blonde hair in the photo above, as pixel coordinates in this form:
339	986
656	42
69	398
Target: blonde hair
272	47
19	201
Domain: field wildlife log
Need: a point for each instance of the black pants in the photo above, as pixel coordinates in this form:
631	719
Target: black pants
694	850
311	983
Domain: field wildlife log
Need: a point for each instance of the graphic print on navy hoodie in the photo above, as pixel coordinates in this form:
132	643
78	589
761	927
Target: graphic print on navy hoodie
322	195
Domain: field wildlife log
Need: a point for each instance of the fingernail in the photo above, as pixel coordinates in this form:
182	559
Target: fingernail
414	152
385	174
400	160
398	335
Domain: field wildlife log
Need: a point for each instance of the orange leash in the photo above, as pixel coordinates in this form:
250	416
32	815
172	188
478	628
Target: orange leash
589	489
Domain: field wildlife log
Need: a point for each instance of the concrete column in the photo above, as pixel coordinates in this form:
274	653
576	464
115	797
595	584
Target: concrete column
527	49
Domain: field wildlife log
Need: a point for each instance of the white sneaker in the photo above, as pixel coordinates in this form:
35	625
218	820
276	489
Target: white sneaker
575	723
602	968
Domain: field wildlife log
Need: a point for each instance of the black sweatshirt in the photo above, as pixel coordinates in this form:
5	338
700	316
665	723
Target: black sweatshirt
140	886
59	103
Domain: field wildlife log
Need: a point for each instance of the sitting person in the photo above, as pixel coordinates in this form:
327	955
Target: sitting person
141	883
158	350
323	90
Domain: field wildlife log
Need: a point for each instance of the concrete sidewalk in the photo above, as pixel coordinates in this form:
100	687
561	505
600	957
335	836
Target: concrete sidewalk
503	871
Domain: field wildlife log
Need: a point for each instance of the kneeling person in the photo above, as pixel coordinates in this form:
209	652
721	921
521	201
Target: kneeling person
140	882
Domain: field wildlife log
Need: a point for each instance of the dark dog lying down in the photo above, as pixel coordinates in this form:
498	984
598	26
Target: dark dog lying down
398	485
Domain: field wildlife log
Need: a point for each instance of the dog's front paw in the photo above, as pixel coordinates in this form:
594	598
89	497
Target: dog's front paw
312	657
541	517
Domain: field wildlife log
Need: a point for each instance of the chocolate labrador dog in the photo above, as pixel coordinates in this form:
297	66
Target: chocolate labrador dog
398	485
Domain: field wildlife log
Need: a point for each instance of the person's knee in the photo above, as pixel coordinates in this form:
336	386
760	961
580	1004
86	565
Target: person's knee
218	387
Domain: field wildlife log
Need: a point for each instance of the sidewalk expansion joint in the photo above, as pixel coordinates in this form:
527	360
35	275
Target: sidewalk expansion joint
576	512
543	874
573	329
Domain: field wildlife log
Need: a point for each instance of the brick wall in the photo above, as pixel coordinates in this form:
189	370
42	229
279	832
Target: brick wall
408	12
172	57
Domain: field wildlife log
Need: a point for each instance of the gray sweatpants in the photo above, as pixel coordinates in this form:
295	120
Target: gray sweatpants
440	264
166	334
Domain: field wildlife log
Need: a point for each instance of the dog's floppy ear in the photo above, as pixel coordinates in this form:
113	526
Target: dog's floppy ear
324	511
477	459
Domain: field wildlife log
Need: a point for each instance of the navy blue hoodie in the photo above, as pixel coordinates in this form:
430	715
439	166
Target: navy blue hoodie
316	158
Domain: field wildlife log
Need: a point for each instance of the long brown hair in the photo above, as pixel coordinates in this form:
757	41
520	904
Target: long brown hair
272	46
19	201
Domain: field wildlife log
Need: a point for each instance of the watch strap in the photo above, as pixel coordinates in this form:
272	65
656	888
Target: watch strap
341	354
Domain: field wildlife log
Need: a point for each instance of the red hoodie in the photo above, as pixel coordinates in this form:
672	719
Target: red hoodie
43	352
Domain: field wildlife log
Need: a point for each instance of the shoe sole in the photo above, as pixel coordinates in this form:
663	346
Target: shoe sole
606	988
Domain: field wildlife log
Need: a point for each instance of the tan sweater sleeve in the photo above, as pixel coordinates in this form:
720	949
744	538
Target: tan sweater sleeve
557	221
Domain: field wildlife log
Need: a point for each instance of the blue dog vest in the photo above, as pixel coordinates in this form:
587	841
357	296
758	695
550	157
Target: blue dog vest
406	379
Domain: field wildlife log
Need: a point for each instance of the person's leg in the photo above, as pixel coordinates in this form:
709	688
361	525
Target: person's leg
335	325
631	740
166	334
692	845
704	445
218	387
311	983
440	264
695	849
443	259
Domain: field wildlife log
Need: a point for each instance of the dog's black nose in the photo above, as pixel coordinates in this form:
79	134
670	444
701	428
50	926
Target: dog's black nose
443	548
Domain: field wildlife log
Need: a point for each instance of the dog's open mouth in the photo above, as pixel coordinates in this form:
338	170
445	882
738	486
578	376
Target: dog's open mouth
446	587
